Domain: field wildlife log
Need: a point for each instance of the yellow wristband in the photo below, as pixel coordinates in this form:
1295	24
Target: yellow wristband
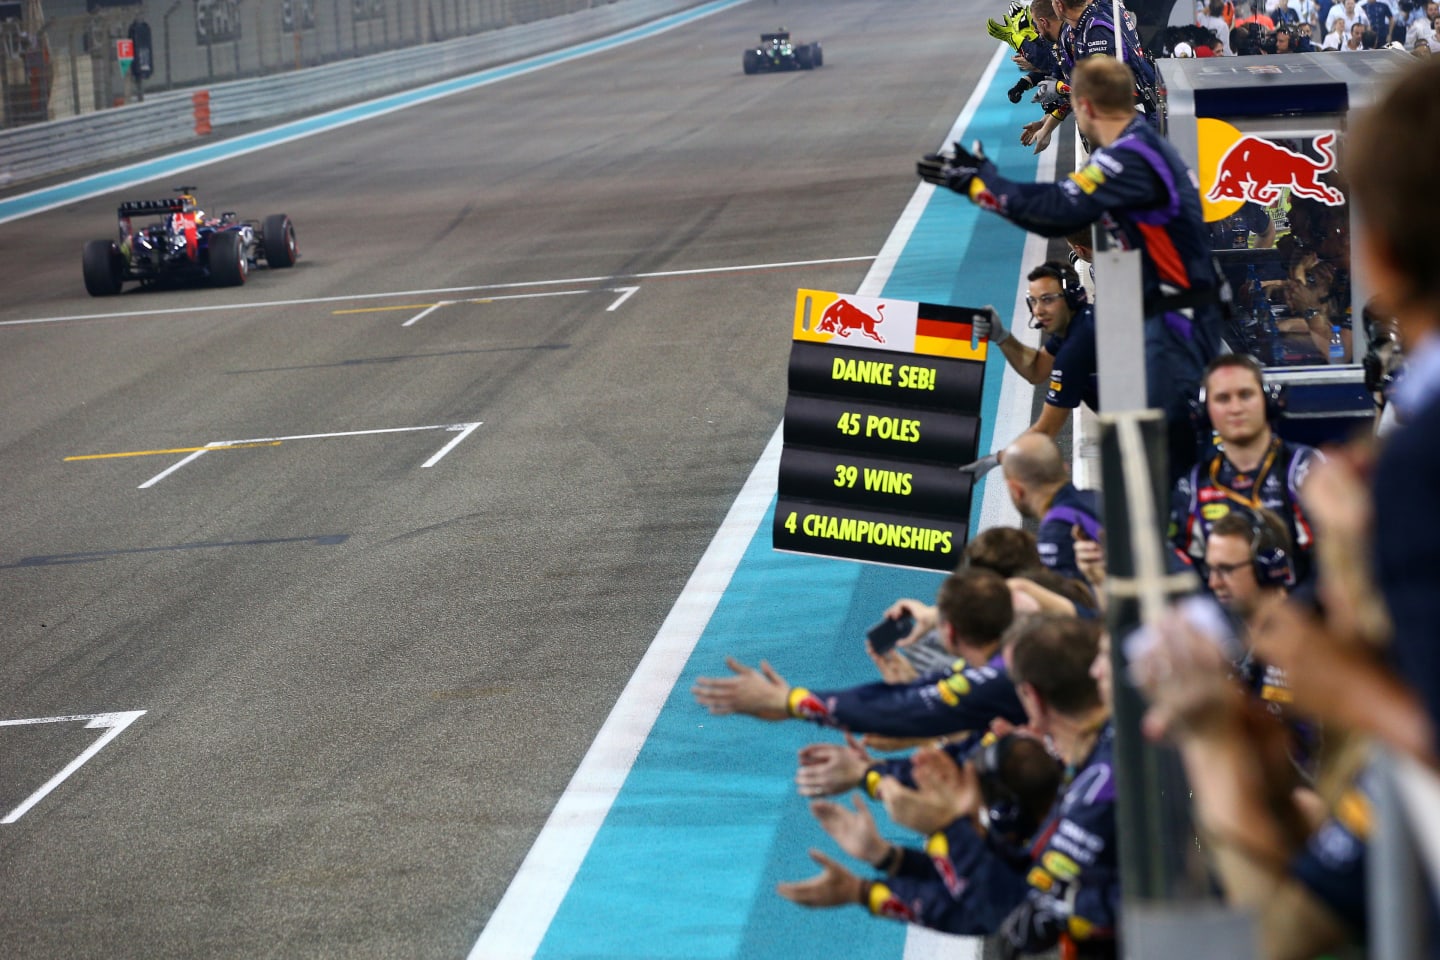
792	700
977	187
877	896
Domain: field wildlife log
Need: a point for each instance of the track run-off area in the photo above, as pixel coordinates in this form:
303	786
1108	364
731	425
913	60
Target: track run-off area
353	612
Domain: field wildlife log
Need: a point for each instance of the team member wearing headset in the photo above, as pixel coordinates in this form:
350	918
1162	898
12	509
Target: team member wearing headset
1142	194
1251	467
1066	361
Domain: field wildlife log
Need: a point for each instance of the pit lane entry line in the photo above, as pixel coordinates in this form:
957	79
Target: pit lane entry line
571	281
113	724
463	430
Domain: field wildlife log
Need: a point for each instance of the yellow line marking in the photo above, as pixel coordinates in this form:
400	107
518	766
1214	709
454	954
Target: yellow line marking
155	453
411	306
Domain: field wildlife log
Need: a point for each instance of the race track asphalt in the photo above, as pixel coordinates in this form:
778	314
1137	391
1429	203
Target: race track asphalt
367	669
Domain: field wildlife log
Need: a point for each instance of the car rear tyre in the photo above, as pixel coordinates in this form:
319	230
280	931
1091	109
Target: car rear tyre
228	263
804	56
280	247
818	57
104	268
752	62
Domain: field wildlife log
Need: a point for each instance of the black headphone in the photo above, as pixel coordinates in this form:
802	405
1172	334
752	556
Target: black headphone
1070	286
1006	809
988	759
1274	394
1269	554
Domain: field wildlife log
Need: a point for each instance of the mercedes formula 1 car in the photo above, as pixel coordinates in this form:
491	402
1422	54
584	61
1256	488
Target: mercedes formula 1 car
776	52
182	244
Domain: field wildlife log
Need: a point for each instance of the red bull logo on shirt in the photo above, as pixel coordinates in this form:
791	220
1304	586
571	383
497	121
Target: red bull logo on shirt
1238	168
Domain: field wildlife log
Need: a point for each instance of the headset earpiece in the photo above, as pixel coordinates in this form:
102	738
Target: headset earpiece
1070	286
1076	296
1269	555
987	760
1275	403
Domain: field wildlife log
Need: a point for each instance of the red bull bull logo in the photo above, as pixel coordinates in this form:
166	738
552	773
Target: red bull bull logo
843	318
954	883
810	707
1237	168
1258	170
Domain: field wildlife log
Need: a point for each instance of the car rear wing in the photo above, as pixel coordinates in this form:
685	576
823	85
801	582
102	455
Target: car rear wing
768	37
169	205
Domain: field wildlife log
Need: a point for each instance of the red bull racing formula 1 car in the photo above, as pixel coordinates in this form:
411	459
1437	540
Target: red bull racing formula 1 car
776	52
183	244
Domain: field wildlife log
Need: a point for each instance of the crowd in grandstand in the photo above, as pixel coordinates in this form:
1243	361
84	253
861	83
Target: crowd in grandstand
1246	28
1308	635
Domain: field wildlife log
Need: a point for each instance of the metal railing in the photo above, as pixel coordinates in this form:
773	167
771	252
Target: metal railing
1404	861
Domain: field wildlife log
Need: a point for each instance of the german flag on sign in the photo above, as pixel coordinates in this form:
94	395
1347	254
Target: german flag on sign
945	331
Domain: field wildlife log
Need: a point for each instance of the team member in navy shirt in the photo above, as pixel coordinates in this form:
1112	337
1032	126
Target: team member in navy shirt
1067	888
1040	487
1065	363
1139	190
975	610
1252	467
971	872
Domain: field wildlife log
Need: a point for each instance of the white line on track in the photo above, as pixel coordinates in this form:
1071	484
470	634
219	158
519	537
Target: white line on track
344	298
172	468
508	296
520	921
465	430
625	294
342	433
427	311
113	724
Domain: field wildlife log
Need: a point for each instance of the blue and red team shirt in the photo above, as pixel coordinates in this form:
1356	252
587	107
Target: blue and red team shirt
1144	196
1332	863
1075	372
1074	880
956	699
1066	886
1213	488
961	883
1055	539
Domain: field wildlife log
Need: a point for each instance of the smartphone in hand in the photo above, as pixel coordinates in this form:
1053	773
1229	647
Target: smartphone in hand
885	634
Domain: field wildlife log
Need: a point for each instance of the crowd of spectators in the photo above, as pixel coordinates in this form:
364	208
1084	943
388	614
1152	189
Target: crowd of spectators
1307	634
1246	28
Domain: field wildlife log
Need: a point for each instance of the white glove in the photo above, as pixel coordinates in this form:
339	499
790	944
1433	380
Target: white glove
982	466
1051	93
989	326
